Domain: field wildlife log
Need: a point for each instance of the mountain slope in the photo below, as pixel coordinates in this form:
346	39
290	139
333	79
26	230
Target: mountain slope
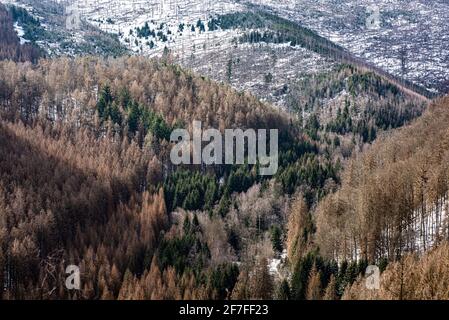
86	178
11	46
391	210
46	24
220	39
407	39
393	198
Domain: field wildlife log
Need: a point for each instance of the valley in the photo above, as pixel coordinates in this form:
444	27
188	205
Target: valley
91	92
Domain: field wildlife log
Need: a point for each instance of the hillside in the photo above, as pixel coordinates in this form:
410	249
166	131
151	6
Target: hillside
415	168
87	176
408	39
11	46
85	168
45	24
391	210
229	41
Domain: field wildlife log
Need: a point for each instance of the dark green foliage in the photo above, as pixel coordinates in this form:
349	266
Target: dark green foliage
301	166
118	108
362	265
98	43
145	31
276	238
343	123
190	190
212	25
268	78
373	104
31	26
155	123
308	171
133	116
342	278
383	263
200	26
229	70
161	35
238	20
300	277
290	150
224	204
114	114
186	252
386	117
234	240
326	269
124	98
104	102
193	190
240	179
352	272
222	279
280	31
313	126
11	47
348	274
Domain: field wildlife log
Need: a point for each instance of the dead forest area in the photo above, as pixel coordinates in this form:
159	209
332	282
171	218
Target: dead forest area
86	179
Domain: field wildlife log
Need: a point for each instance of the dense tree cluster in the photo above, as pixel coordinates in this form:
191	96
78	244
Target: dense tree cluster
145	31
351	101
86	180
393	195
411	278
58	89
62	189
391	210
276	30
32	29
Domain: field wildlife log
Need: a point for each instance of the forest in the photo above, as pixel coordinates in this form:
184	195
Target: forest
10	46
392	207
86	179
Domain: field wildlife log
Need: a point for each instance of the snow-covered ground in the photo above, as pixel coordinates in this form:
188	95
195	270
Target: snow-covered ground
182	27
430	227
276	266
266	70
410	41
175	22
20	33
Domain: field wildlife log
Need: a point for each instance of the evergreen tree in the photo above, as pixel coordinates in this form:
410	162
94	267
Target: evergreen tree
300	278
276	238
133	117
284	291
